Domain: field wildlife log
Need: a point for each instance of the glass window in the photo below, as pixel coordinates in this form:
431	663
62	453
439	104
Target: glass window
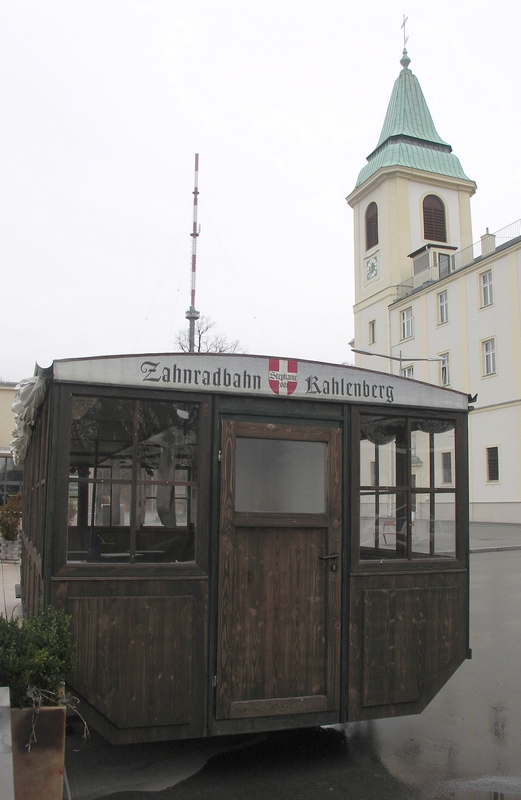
493	464
408	372
446	466
444	264
443	308
133	480
407	323
11	478
407	509
280	476
489	357
445	369
372	331
486	288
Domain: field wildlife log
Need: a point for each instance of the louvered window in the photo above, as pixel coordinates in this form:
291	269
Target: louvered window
371	226
434	227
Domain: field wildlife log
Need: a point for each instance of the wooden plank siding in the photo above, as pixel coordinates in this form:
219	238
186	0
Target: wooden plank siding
279	604
141	655
407	636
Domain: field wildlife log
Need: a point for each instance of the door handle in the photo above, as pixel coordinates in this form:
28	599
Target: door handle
326	558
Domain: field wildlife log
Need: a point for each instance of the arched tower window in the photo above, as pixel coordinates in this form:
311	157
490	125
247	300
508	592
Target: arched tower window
371	226
434	227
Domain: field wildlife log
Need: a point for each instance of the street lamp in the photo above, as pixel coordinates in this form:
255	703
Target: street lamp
399	358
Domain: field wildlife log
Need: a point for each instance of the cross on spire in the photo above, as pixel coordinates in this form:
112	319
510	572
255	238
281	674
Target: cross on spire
405	38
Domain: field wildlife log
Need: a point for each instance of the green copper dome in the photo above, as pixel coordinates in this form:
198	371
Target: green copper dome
409	138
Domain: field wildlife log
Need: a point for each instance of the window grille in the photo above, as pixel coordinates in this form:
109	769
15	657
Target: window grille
492	464
446	467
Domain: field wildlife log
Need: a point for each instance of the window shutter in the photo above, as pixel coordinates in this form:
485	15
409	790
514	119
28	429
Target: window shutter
371	226
434	227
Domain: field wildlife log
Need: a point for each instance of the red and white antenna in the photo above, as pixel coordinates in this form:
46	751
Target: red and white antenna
192	314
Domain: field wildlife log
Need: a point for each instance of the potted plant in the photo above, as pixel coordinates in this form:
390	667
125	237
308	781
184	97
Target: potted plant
10	517
36	656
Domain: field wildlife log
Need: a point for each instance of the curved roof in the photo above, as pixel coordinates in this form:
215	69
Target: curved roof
409	137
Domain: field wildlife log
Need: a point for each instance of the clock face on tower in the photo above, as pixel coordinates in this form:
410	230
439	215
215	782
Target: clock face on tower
371	267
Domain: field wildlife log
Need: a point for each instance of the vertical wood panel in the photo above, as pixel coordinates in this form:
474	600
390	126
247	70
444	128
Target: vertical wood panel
134	658
409	639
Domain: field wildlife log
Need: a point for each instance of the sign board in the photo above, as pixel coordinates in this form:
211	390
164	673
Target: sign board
257	376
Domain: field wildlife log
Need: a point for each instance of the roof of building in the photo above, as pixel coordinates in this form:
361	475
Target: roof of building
409	137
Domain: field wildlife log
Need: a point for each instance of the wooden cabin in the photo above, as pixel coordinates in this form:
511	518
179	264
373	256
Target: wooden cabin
246	543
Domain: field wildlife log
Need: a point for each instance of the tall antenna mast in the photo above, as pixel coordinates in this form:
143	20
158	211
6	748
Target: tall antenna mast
192	314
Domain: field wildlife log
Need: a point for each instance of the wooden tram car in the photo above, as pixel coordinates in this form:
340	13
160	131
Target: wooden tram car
246	543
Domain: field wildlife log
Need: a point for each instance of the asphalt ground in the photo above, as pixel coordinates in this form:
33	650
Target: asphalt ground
464	746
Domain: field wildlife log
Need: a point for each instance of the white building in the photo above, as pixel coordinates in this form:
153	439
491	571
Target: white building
425	290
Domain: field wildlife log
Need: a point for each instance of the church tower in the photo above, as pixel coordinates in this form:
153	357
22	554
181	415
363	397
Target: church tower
411	207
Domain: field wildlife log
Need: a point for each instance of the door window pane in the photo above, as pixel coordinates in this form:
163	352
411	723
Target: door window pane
280	476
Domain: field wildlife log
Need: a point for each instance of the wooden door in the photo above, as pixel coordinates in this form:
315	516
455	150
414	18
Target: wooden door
278	644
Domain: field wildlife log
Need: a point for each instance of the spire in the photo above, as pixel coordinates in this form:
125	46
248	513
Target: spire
409	137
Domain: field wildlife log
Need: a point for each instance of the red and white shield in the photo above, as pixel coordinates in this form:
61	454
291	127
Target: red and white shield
283	375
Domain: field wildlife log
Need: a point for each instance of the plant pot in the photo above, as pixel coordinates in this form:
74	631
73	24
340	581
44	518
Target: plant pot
38	772
10	551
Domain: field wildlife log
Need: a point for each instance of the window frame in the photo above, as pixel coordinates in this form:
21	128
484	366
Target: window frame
486	289
371	226
488	450
447	468
200	565
407	323
372	331
411	559
443	307
434	217
489	357
445	369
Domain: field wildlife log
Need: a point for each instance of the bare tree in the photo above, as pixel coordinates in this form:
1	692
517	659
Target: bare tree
205	340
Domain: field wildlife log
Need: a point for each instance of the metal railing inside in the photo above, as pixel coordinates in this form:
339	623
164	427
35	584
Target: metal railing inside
431	267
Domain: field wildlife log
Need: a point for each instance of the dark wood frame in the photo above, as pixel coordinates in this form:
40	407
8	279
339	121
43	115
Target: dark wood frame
372	596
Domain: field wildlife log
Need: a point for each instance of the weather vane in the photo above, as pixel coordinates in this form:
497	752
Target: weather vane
405	38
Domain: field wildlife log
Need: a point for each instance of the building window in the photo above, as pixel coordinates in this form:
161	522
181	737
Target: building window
407	323
486	289
443	308
493	464
445	370
10	478
372	331
408	372
434	227
444	264
446	467
489	357
371	226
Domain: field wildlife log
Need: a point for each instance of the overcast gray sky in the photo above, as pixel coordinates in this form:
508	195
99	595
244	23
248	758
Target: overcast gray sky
105	102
